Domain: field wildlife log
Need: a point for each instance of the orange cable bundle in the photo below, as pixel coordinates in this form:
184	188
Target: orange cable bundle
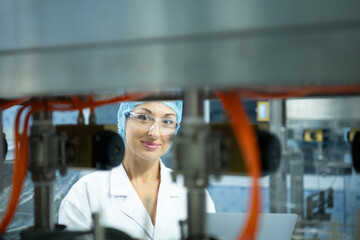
300	91
91	100
247	141
21	141
14	102
19	170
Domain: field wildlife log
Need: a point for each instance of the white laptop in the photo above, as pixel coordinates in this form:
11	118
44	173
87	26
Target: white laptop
226	226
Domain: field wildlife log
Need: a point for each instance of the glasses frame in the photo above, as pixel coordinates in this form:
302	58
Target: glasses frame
157	120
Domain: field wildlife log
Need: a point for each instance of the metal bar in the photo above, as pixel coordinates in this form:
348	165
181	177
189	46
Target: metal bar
196	213
44	205
1	154
43	164
357	224
278	196
231	44
191	161
297	184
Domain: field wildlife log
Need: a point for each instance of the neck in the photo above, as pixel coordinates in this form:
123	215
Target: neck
139	169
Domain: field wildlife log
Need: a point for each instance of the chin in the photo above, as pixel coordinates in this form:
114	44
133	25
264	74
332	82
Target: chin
150	155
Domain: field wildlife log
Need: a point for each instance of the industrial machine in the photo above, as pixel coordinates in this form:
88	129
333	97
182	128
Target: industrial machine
299	57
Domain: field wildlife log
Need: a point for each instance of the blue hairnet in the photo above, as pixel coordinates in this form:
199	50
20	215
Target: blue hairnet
126	107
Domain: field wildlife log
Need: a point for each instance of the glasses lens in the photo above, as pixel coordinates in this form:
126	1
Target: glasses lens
145	122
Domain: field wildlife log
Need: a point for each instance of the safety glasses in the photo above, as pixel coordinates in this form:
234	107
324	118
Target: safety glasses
147	122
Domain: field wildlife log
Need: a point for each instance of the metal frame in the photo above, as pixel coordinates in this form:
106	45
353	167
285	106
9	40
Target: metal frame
83	46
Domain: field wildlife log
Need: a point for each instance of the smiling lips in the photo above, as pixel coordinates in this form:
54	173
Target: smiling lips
150	145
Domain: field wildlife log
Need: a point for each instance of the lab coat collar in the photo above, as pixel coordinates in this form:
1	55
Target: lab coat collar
120	186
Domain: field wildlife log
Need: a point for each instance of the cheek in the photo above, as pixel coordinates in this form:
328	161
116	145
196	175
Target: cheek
166	142
130	134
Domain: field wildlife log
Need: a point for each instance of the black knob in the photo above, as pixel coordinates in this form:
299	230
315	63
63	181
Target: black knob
270	151
4	147
107	150
356	151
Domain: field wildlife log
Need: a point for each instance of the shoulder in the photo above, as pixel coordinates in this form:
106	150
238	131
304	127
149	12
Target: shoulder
91	180
97	177
89	186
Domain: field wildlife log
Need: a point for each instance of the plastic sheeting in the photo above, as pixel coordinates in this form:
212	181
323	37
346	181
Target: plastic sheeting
24	216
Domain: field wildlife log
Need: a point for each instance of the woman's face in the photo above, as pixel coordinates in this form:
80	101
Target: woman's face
148	144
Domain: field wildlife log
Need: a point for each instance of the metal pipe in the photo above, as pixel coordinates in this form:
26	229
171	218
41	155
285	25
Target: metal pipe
44	205
357	223
196	212
1	154
43	164
191	161
278	195
296	167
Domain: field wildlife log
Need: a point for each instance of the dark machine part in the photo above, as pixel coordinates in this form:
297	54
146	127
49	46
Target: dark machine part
54	148
90	146
323	149
190	160
107	150
4	147
59	233
316	135
43	165
270	151
356	152
318	203
231	159
3	152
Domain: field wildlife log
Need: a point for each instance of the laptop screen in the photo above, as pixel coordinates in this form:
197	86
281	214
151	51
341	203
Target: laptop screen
227	226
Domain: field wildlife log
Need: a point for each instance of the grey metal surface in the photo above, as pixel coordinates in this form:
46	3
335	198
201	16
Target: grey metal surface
196	200
44	210
278	197
331	108
357	223
193	163
43	165
1	154
296	168
81	46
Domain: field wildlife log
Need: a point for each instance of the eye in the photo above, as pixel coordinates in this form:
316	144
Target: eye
143	117
168	122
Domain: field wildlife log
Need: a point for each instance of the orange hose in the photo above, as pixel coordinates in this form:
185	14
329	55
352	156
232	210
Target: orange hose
77	101
14	102
91	100
70	105
290	92
17	178
281	95
247	141
128	97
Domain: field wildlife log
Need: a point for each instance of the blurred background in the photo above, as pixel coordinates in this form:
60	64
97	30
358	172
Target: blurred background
300	58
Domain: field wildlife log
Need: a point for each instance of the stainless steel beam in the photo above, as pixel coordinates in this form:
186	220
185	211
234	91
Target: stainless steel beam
278	196
324	108
61	47
296	168
41	23
1	154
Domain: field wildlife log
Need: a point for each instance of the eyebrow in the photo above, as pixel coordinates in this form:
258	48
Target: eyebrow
146	110
166	115
170	114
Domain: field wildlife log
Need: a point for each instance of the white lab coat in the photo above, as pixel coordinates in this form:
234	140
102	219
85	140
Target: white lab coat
112	195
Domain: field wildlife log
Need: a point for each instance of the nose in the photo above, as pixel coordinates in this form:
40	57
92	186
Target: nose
154	131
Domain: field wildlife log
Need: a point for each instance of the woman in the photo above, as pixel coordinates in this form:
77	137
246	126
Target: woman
139	196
